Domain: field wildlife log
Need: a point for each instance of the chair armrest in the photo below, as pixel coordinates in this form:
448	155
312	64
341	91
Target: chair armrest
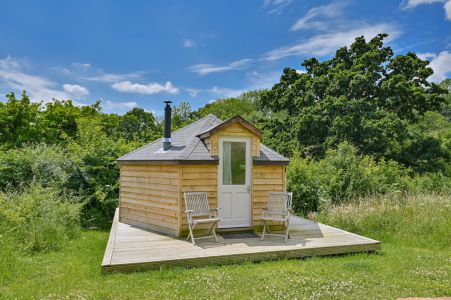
189	211
215	210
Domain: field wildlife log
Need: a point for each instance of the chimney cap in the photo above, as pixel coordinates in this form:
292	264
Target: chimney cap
168	101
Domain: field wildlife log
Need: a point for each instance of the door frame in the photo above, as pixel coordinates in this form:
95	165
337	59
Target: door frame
248	177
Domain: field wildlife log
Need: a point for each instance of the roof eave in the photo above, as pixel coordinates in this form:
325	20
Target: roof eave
271	162
168	162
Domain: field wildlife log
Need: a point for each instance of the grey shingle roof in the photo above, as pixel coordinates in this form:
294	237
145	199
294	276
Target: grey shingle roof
187	146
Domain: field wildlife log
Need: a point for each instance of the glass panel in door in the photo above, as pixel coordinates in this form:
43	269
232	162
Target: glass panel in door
234	163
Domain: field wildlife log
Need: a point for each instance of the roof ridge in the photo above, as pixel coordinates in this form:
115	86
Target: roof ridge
151	143
198	139
193	123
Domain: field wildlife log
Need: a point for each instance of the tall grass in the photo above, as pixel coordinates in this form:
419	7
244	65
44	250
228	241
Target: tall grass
37	219
416	220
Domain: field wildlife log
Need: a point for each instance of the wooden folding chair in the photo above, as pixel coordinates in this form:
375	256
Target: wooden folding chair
199	212
278	210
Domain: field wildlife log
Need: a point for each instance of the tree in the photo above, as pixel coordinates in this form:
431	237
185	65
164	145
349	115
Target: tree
362	95
18	119
182	115
137	124
244	105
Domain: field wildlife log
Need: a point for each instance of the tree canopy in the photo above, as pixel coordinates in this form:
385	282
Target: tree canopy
363	95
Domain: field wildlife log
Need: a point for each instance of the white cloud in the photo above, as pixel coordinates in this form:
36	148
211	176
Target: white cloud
414	3
205	69
83	66
324	44
256	81
192	92
447	8
410	4
77	90
276	6
426	56
150	88
327	11
216	92
14	77
441	64
121	105
114	77
265	80
222	92
188	43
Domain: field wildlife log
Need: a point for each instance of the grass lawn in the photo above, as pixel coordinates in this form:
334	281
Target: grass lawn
411	263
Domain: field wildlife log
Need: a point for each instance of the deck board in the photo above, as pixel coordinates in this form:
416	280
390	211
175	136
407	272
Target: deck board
131	248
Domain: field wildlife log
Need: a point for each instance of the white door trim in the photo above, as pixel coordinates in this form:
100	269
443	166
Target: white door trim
246	187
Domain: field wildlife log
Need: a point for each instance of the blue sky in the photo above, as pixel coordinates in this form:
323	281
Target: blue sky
139	53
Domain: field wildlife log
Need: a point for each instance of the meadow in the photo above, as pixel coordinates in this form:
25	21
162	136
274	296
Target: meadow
414	261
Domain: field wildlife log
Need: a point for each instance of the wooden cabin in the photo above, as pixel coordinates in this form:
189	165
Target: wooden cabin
226	159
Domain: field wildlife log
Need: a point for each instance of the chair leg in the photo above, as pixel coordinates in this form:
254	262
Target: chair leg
264	230
211	228
191	233
287	230
214	232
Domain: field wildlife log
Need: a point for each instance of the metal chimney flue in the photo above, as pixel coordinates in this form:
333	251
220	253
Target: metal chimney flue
167	125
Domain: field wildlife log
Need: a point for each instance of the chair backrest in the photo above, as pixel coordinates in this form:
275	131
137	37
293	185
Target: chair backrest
197	202
279	202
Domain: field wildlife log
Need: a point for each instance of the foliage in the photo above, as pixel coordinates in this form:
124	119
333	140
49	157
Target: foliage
17	119
23	122
95	155
341	176
363	95
403	267
224	109
182	115
46	165
139	125
37	219
71	149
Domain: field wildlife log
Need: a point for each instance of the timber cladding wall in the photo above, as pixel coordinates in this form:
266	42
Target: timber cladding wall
198	179
265	179
149	196
235	130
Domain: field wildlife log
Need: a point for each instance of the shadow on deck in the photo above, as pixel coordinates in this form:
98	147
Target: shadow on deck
131	248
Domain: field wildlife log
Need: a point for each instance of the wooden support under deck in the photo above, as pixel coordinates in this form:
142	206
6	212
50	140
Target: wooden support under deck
131	248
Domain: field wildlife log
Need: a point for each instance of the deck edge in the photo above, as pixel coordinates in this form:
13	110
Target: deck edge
111	239
240	258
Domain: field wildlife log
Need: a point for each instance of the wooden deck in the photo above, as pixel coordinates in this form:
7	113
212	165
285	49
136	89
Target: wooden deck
131	248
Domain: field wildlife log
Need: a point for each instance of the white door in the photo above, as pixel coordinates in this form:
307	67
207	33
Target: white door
234	186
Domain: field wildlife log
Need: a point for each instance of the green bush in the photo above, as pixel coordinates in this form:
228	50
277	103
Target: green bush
430	182
97	180
47	165
85	168
342	175
304	184
38	219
